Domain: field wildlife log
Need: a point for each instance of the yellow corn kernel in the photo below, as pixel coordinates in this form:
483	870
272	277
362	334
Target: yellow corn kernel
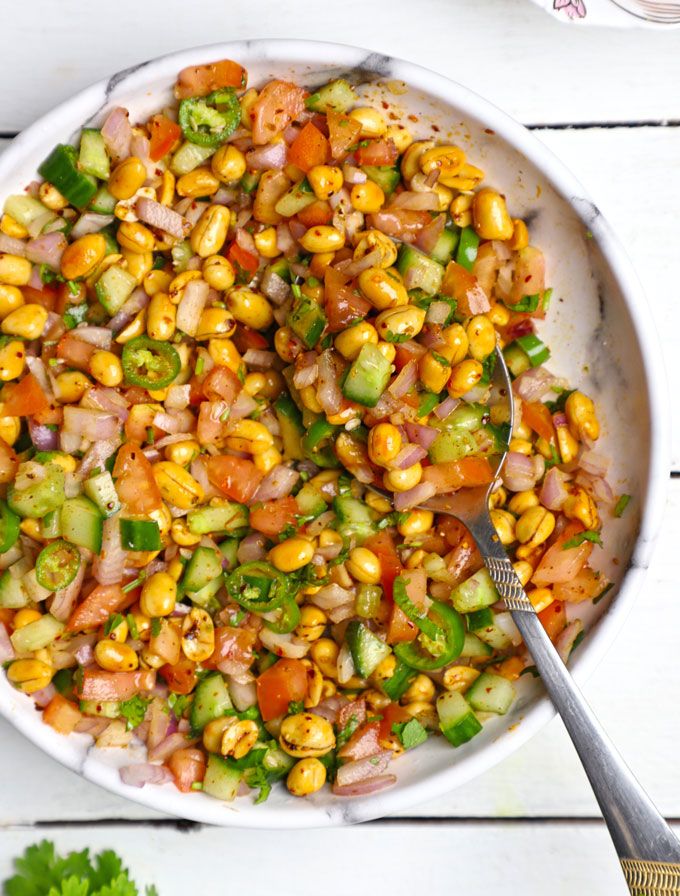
322	238
566	443
370	240
350	341
504	524
30	676
160	317
135	237
199	182
182	453
25	617
384	443
520	235
364	566
387	350
310	400
580	411
312	623
416	523
210	232
71	386
219	272
447	160
464	376
367	197
460	209
12	228
325	180
524	571
306	734
403	480
266	244
11	298
384	288
521	446
467	179
139	264
434	371
400	136
372	121
177	486
498	315
159	595
291	554
580	506
306	777
404	321
180	534
82	257
156	281
14	270
228	164
490	216
421	690
456	343
214	731
27	321
533	527
250	308
115	657
540	598
459	678
106	368
481	337
225	353
214	323
198	635
166	190
410	162
254	383
12	360
511	668
126	178
249	436
523	501
10	427
265	461
239	738
377	502
498	498
384	670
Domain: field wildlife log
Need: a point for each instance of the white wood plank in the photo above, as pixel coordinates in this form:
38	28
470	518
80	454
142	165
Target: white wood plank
536	68
435	858
634	693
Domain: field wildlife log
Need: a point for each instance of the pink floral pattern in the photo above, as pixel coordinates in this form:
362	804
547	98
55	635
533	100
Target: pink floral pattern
574	9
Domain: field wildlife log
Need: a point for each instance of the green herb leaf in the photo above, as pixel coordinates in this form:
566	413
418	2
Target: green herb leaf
296	706
440	359
133	711
179	703
349	729
621	505
397	337
132	627
428	401
112	622
488	367
410	733
588	535
155	626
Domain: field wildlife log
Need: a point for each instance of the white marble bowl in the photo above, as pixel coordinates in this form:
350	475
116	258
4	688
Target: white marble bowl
600	332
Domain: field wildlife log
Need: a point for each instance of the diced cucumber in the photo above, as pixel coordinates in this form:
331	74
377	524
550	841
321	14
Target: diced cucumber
468	244
452	444
205	597
25	210
367	377
211	700
103	202
13	595
114	287
355	518
221	779
276	762
446	245
367	650
457	721
475	593
107	709
189	156
101	490
475	647
41	497
418	270
82	523
336	96
204	566
229	549
292	430
50	525
307	320
225	519
498	631
93	158
310	500
387	177
281	268
491	693
36	635
399	683
249	181
181	253
299	196
516	359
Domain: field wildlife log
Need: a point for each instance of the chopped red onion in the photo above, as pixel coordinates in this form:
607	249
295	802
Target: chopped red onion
243	693
448	406
353	268
44	438
92	425
6	649
595	463
328	393
252	547
341	199
274	287
421	435
117	133
533	383
246	241
108	564
47	249
284	645
428	236
178	397
133	305
12	246
331	596
272	155
414	496
191	306
90	222
84	655
168	746
42	697
99	336
243	406
37	225
553	492
353	175
408	456
97	455
518	472
162	217
177	421
278	483
255	357
361	769
141	773
306	370
405	380
64	601
427	201
330	707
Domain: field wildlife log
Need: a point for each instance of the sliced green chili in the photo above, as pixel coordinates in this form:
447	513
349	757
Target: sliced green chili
57	565
317	444
210	120
288	617
149	363
257	586
9	527
427	654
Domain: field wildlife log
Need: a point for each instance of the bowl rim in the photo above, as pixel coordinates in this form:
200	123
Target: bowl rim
86	104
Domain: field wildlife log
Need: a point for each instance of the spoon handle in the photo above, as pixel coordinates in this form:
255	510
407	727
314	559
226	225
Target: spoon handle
647	848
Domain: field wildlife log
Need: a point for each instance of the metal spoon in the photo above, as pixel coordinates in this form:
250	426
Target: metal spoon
647	848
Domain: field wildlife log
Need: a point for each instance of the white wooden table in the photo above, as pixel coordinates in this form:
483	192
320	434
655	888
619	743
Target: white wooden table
606	102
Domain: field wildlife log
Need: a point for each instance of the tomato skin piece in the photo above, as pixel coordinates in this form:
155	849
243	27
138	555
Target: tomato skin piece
391	715
463	286
25	398
553	619
316	215
537	417
382	545
243	258
180	678
134	480
8	463
279	103
165	134
245	338
283	683
47	296
110	686
273	516
76	352
221	384
98	606
309	148
237	477
378	152
343	303
188	767
233	649
200	80
464	473
343	132
61	714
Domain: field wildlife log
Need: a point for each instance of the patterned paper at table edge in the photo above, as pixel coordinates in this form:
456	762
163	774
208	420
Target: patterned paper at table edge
604	13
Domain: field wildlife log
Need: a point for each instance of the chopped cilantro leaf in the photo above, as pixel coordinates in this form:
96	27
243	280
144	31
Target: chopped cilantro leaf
488	367
347	731
133	711
179	703
132	626
621	505
410	733
588	535
440	359
155	627
295	706
397	337
114	620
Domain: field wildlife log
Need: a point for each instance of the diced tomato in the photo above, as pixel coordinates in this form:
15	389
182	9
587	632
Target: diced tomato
221	384
165	134
279	103
209	426
245	338
382	545
343	303
392	714
553	619
464	473
76	352
233	652
112	686
52	415
136	395
6	617
537	417
316	215
181	678
408	351
200	80
377	152
273	516
283	683
343	132
309	148
25	398
61	714
237	477
47	296
135	484
98	606
363	743
188	767
464	559
243	258
463	286
400	627
401	223
584	586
